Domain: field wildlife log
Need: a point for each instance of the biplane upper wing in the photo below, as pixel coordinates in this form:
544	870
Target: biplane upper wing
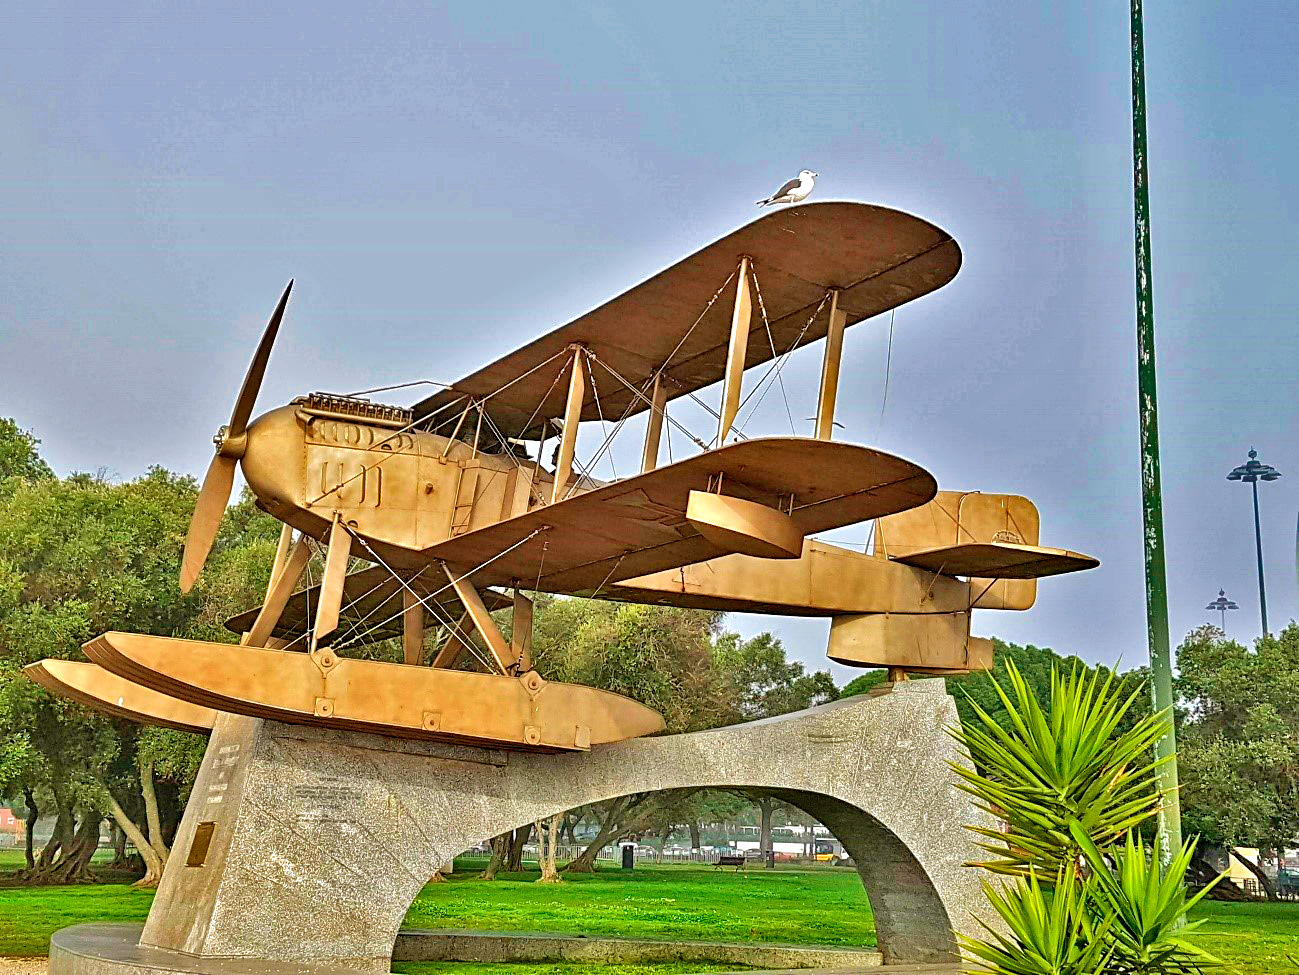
876	257
372	601
638	525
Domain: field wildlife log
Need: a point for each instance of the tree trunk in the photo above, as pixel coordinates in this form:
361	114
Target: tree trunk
567	830
548	839
515	862
33	814
74	866
154	821
153	863
119	845
696	840
500	848
1264	880
1202	873
765	807
667	836
556	834
609	830
62	834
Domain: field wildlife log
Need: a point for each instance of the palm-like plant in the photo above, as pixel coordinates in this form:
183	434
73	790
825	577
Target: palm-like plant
1052	930
1071	787
1146	906
1069	764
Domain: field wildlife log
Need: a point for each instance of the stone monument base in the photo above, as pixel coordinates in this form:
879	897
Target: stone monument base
114	949
301	848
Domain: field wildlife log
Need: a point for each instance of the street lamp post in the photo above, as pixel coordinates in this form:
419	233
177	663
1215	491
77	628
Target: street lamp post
1222	604
1251	472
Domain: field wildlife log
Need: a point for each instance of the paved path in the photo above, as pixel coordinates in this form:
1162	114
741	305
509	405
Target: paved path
24	966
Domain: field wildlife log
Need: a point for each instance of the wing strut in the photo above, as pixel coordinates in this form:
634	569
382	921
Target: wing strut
457	639
830	369
572	415
654	431
482	619
331	583
277	596
521	631
736	352
412	628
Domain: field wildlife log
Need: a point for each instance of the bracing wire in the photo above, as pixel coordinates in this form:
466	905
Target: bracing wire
778	365
888	369
427	601
762	308
358	623
608	438
384	389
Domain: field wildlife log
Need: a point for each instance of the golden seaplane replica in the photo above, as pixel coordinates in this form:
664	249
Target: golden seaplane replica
458	517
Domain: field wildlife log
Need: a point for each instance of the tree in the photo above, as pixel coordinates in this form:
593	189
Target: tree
18	455
762	683
863	683
1033	664
1238	746
660	656
707	806
79	556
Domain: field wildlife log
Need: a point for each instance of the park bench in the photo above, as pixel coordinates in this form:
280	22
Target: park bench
726	860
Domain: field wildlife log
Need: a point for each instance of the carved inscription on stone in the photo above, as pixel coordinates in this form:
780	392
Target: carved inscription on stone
329	800
228	756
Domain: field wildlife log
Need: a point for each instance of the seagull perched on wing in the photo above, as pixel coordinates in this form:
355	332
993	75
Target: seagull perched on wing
795	191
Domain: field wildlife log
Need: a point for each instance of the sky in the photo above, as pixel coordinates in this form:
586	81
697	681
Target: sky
447	181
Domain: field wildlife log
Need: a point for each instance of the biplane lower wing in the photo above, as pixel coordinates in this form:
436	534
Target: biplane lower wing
998	560
97	688
638	525
372	606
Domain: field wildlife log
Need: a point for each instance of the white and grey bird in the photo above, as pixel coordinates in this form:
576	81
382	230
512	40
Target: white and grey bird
795	191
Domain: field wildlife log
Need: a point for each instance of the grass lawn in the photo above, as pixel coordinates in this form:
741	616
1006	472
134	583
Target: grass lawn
824	906
1254	938
563	968
816	906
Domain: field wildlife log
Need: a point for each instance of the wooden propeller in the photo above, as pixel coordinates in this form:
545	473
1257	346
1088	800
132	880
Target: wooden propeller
214	495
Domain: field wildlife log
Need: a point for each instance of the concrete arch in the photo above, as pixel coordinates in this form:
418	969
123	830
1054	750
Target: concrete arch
320	840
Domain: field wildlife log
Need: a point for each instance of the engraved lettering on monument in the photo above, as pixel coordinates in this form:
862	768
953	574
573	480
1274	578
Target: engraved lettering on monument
328	801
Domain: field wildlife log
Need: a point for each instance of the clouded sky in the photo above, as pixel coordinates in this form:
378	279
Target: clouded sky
447	181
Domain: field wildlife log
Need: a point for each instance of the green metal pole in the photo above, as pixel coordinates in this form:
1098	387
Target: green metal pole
1152	508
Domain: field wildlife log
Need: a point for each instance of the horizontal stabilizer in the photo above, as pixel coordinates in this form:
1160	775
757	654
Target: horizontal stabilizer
998	560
